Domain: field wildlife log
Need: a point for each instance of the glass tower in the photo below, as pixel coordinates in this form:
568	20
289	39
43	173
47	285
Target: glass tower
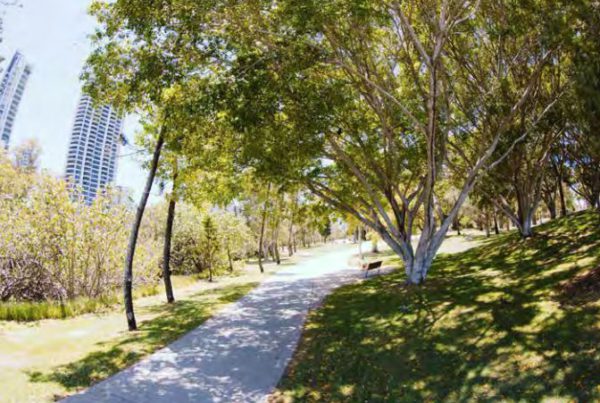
92	156
11	91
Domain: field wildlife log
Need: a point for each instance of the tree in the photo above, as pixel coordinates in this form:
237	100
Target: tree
373	100
138	67
325	229
210	244
167	243
128	273
27	154
365	103
582	143
263	222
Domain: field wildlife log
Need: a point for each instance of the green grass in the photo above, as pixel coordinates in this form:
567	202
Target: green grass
490	324
47	360
173	321
33	311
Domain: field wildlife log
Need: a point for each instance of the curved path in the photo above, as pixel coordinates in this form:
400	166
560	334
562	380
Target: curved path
239	354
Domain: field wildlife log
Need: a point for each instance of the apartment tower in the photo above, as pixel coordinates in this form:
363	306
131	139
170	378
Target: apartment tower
11	91
92	155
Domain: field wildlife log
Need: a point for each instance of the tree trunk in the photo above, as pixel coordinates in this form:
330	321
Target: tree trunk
551	204
496	227
527	227
167	247
128	272
290	246
229	260
563	204
374	248
262	230
277	257
271	251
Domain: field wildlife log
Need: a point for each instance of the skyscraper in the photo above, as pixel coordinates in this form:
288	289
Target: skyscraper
11	91
92	156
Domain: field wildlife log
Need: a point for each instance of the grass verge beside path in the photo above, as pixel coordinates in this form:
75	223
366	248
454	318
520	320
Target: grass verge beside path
34	311
503	321
49	359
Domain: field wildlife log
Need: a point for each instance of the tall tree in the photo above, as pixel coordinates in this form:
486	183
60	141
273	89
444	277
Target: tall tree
366	103
373	99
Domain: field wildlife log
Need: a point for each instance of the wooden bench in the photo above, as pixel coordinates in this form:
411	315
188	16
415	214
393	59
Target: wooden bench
371	266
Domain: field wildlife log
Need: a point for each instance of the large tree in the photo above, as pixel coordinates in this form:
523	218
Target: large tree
370	101
364	102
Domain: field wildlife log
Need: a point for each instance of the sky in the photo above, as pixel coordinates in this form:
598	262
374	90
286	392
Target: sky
53	37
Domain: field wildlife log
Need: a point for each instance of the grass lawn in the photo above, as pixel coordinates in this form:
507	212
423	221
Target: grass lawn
48	359
510	320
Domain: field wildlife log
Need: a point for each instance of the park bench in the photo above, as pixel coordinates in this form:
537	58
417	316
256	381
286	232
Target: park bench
371	266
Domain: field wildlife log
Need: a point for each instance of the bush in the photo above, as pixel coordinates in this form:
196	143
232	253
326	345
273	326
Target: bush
55	247
194	250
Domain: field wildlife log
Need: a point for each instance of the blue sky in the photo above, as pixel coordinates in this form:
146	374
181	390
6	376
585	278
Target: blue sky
53	36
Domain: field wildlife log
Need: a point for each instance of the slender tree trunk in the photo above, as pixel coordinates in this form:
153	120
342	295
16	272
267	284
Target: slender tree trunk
277	257
229	260
374	248
128	272
167	246
271	250
290	240
496	227
551	204
262	230
563	204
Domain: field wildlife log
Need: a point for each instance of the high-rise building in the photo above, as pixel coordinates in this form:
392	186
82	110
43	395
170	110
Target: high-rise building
92	156
11	91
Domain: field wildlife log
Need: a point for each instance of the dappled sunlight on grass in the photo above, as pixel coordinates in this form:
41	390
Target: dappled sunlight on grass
46	360
489	324
172	321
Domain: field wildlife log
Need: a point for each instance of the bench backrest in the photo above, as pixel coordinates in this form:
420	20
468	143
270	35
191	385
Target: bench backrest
374	265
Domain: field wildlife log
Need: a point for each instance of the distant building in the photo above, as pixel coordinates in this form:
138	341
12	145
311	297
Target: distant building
11	91
92	156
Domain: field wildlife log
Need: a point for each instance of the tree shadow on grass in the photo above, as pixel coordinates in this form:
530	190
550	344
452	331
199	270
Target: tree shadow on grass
173	321
486	326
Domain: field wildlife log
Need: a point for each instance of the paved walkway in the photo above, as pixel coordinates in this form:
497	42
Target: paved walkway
240	354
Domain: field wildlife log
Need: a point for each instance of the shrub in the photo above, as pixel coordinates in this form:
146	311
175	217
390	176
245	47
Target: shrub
55	247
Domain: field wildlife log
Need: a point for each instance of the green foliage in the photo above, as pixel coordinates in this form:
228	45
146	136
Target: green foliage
55	247
490	325
201	239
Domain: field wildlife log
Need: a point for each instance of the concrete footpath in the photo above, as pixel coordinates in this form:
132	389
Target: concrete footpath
239	354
